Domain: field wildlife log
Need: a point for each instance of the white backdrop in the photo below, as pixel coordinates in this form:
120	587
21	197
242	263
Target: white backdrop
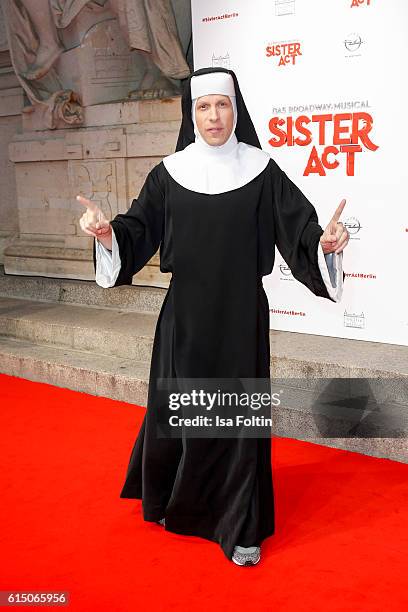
317	60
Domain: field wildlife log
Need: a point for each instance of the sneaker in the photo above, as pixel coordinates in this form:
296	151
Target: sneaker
246	556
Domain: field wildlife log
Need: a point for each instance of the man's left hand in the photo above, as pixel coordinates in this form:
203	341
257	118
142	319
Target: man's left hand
335	237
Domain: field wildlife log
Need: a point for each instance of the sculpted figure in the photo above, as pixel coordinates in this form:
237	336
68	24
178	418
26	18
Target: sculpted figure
35	43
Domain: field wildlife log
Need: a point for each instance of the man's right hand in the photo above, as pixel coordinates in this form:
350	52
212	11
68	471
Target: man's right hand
94	223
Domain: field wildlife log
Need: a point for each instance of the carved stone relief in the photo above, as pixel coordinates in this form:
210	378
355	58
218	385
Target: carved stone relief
135	44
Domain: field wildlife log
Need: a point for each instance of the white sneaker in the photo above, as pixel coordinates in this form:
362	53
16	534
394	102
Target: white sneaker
246	556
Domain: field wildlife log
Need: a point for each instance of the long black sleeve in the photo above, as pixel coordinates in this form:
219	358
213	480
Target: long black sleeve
139	230
297	231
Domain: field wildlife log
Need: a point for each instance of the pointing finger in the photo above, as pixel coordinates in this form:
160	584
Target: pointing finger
338	212
88	203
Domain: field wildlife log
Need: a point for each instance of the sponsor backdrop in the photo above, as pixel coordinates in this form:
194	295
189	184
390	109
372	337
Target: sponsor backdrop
325	85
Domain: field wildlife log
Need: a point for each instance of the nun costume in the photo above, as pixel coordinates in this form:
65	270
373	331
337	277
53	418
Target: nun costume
217	213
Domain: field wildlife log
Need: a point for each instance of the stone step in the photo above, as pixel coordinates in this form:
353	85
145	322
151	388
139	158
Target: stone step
309	356
129	334
127	380
123	334
292	354
78	335
66	291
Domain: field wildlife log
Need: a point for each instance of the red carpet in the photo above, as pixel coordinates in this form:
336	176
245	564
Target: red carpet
342	520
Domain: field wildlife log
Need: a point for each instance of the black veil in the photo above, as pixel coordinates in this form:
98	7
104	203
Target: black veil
244	130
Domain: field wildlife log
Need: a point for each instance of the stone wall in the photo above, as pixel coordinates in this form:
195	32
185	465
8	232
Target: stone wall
11	103
106	163
106	158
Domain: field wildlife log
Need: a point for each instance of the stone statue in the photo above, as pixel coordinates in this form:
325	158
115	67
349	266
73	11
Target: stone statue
35	32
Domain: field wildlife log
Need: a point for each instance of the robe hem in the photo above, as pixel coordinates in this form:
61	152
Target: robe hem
228	551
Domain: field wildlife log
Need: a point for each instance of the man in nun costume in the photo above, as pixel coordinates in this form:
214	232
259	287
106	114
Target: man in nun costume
217	208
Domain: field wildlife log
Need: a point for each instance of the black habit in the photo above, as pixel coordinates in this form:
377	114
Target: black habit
214	322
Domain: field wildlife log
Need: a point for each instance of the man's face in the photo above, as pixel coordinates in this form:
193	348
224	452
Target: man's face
214	118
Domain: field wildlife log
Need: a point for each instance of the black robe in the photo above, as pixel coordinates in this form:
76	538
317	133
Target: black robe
214	322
